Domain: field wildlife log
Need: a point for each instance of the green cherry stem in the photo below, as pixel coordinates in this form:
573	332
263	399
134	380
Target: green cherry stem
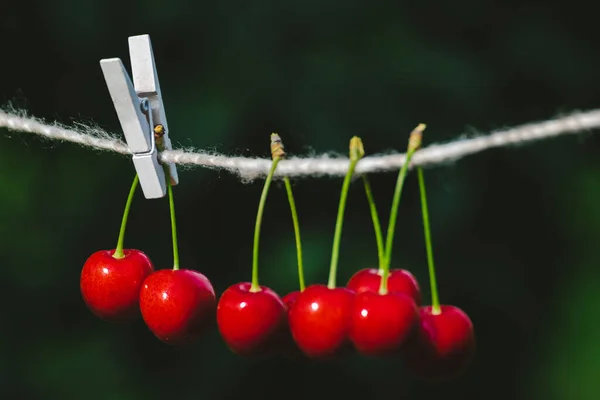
277	153
376	224
119	250
357	151
173	223
255	287
414	143
159	131
435	302
290	194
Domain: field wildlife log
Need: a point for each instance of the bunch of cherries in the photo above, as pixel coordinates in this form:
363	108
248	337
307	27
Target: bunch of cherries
378	313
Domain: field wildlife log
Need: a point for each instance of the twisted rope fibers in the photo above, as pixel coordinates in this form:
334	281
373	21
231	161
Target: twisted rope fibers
248	168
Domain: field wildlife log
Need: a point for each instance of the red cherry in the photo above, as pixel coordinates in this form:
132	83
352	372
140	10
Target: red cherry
177	305
290	298
320	320
381	323
111	286
443	346
250	322
399	280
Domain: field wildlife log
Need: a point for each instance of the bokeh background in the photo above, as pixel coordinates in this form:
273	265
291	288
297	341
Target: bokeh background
515	230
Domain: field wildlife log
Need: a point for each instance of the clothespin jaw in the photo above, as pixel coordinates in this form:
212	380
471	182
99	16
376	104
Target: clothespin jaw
141	113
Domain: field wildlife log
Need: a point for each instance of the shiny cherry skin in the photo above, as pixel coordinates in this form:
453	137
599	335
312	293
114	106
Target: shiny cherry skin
290	298
177	305
444	344
399	280
381	323
250	323
110	286
320	320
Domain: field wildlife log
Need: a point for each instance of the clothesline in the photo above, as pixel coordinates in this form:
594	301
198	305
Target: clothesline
249	168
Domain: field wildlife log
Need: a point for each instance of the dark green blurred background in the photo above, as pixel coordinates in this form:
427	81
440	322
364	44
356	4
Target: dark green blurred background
515	230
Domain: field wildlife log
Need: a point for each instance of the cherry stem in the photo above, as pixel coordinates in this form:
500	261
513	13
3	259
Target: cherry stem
173	223
435	302
255	287
290	194
414	142
376	224
119	250
356	153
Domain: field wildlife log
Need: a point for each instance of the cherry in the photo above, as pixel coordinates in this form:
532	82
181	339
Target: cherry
381	317
443	346
111	286
381	323
177	305
251	317
320	316
249	321
444	343
320	320
111	280
399	280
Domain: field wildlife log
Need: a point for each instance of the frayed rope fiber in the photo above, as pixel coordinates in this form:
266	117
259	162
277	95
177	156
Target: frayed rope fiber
249	169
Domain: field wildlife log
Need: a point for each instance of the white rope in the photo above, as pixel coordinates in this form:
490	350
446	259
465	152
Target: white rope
251	168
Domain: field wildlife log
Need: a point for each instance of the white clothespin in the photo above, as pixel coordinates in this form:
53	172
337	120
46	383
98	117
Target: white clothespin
141	113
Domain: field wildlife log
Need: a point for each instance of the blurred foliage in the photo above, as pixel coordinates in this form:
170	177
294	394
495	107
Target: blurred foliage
515	230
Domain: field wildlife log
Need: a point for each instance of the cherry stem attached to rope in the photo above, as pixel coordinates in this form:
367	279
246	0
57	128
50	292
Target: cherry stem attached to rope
414	142
357	151
255	287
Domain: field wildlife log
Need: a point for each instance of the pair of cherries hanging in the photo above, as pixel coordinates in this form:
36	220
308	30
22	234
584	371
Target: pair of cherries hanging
378	313
176	304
